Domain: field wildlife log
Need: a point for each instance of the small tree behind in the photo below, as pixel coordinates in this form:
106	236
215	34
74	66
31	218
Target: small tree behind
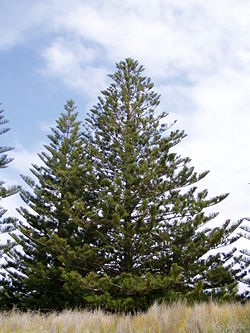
55	234
6	224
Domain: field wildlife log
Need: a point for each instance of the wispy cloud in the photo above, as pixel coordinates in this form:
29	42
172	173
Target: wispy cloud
23	158
75	65
167	36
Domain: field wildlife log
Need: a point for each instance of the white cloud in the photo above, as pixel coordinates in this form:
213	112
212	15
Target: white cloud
74	64
219	134
23	158
10	204
167	36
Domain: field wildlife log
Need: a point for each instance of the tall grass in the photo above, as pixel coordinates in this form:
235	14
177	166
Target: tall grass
179	317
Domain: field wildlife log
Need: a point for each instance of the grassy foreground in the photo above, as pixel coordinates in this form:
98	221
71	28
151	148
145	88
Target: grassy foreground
209	318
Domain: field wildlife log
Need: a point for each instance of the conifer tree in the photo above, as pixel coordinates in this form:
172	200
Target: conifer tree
54	234
241	261
150	214
5	223
117	221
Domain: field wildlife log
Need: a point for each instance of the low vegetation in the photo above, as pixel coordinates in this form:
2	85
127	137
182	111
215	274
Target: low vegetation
178	317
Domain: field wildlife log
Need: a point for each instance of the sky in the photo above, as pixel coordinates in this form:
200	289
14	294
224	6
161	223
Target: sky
197	53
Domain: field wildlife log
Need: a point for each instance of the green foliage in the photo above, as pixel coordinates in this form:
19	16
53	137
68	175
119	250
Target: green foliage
55	233
150	212
124	293
241	262
5	223
115	219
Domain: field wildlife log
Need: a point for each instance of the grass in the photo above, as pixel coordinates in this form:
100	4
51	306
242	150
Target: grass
177	318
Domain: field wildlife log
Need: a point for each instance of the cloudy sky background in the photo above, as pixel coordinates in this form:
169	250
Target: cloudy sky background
197	53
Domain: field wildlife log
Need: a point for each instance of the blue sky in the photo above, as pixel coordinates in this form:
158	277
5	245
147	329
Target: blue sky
196	52
30	99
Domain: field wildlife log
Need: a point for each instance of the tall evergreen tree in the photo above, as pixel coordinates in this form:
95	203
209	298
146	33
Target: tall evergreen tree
150	215
117	221
5	223
55	233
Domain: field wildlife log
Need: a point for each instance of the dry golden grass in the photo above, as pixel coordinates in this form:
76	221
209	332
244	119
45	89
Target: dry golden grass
177	318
